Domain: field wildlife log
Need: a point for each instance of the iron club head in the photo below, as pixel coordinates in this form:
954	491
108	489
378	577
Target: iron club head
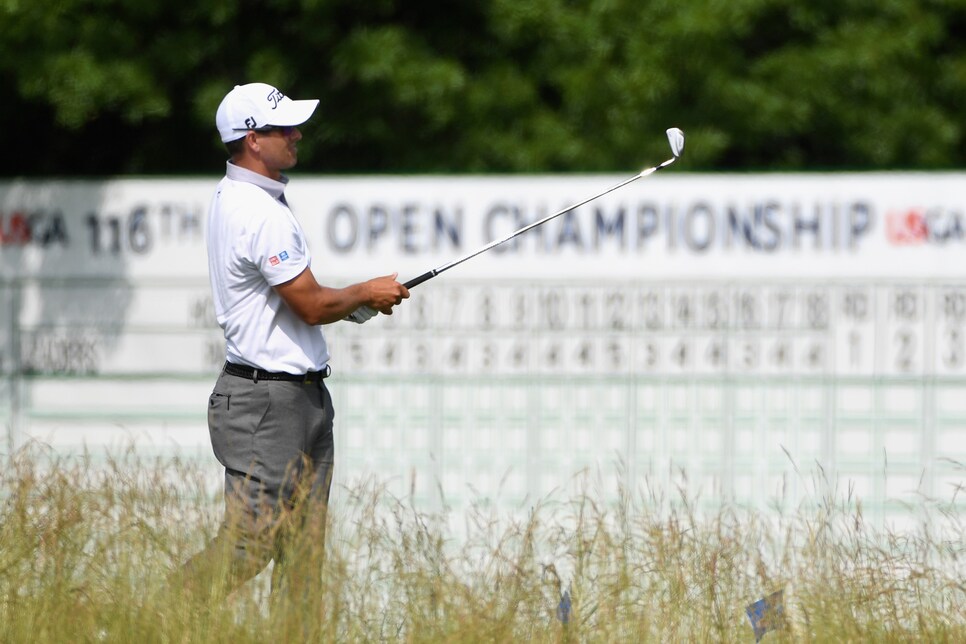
676	138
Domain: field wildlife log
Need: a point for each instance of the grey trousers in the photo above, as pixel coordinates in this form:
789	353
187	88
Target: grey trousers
274	439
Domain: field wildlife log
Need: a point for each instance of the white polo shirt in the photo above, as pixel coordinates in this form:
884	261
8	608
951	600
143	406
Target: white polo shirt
255	243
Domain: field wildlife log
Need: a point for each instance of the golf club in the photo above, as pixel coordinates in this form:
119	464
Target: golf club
674	136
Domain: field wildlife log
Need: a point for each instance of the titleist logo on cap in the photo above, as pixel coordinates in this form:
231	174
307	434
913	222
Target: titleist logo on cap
275	97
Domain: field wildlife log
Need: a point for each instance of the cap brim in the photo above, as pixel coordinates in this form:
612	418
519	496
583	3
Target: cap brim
291	112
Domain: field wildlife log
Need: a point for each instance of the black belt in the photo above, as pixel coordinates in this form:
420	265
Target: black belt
253	374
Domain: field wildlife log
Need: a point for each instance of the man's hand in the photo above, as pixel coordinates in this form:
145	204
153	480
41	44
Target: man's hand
362	314
383	293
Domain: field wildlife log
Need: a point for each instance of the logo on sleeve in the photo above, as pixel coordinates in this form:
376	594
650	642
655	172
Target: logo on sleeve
275	260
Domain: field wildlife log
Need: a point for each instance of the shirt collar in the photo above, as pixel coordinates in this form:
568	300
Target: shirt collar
271	186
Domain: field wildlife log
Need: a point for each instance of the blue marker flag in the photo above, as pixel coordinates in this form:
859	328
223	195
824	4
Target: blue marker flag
766	614
563	608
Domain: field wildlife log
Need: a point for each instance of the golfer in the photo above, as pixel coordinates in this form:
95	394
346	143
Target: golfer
270	414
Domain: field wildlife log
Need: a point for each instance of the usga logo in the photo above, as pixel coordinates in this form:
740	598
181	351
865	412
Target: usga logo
40	227
924	225
274	260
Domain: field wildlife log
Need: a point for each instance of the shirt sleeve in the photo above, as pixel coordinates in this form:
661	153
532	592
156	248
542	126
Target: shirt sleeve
278	248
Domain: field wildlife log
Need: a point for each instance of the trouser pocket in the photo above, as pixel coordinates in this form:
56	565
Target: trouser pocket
235	408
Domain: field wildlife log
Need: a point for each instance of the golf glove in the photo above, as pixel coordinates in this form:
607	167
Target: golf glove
362	314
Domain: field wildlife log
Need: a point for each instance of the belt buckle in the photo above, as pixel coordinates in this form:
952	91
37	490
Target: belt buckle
317	376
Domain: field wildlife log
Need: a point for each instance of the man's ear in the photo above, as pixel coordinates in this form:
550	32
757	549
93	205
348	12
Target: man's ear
251	141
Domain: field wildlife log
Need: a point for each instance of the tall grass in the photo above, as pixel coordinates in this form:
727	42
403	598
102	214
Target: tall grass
87	547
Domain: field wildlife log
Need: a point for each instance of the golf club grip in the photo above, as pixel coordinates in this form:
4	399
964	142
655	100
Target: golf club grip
416	281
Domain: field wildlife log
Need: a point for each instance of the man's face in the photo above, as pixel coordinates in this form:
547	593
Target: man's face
279	149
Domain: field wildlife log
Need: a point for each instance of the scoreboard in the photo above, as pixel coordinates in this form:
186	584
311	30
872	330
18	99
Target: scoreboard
742	336
830	328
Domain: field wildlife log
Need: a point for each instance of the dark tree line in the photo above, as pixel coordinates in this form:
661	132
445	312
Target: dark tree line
103	87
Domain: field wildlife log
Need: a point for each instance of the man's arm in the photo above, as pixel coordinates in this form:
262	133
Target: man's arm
317	304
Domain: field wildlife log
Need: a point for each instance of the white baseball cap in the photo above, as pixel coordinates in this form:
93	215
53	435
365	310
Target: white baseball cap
257	105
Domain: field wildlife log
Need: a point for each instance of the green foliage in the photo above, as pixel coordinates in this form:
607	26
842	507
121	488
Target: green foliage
111	86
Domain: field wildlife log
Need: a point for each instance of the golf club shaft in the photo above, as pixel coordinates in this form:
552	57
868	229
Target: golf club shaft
445	267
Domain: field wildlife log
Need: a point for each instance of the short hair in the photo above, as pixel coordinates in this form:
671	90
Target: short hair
235	147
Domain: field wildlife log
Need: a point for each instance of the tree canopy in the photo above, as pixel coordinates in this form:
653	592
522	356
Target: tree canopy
102	87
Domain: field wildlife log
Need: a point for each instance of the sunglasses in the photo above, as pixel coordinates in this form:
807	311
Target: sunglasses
285	130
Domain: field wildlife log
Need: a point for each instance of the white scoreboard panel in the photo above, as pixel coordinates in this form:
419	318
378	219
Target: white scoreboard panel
748	338
733	385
